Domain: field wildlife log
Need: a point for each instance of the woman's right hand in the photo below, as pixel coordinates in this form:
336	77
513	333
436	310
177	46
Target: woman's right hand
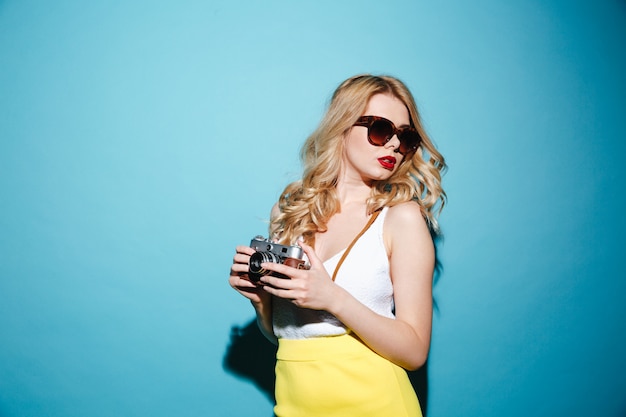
239	278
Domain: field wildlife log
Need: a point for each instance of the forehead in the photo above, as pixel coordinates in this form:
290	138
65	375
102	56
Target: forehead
389	107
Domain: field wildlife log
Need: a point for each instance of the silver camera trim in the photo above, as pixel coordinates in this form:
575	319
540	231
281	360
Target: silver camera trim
261	244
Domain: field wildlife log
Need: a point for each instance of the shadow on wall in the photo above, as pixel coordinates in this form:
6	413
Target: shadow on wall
250	356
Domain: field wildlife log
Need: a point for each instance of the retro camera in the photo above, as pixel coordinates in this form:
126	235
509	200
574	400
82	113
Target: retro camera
267	251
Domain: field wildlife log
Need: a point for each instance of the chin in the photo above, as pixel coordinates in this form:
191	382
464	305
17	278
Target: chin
380	176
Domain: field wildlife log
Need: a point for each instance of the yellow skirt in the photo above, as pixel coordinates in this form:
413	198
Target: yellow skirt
340	376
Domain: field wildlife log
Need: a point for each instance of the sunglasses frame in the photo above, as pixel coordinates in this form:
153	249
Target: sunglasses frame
368	121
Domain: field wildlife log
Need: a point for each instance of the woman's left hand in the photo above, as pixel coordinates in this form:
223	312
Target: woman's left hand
312	288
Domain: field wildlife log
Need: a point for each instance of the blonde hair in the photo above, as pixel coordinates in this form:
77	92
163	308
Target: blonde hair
306	205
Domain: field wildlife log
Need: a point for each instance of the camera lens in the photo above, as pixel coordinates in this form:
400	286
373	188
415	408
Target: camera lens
258	258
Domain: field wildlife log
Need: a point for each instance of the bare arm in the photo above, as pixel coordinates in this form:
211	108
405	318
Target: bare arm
404	340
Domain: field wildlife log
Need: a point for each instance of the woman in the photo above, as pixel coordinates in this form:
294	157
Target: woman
363	213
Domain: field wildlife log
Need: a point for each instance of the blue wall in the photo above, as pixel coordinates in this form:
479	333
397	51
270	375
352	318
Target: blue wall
140	141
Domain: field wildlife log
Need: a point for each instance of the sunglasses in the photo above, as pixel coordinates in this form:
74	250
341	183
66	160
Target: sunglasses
381	130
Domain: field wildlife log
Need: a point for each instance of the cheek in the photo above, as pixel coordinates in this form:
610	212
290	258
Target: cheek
356	142
355	153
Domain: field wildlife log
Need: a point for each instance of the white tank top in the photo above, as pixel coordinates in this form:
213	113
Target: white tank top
364	274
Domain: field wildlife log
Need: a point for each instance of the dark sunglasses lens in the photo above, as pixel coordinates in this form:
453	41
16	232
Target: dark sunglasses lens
380	131
409	141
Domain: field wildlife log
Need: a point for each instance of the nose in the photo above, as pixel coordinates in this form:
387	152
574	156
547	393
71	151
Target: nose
393	143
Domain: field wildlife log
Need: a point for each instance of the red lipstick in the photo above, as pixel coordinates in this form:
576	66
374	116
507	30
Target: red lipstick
387	162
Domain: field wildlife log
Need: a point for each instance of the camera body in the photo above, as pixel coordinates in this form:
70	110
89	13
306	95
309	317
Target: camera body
268	251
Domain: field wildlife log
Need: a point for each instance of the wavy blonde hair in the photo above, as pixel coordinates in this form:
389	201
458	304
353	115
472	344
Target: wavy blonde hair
306	205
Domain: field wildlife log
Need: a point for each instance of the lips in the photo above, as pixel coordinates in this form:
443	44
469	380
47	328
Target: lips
387	162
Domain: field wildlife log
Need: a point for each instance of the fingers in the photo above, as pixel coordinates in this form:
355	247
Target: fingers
243	253
289	271
241	260
240	280
242	257
245	250
279	292
310	253
271	282
239	269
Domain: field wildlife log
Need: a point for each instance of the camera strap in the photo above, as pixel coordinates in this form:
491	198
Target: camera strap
345	253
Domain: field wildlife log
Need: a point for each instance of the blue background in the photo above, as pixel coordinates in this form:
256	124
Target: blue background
140	141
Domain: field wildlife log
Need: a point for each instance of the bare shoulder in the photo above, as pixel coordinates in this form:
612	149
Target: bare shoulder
406	215
406	225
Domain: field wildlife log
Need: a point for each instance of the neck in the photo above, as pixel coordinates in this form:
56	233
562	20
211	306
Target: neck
352	191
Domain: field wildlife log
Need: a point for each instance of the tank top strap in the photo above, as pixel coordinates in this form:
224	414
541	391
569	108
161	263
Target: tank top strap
369	223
